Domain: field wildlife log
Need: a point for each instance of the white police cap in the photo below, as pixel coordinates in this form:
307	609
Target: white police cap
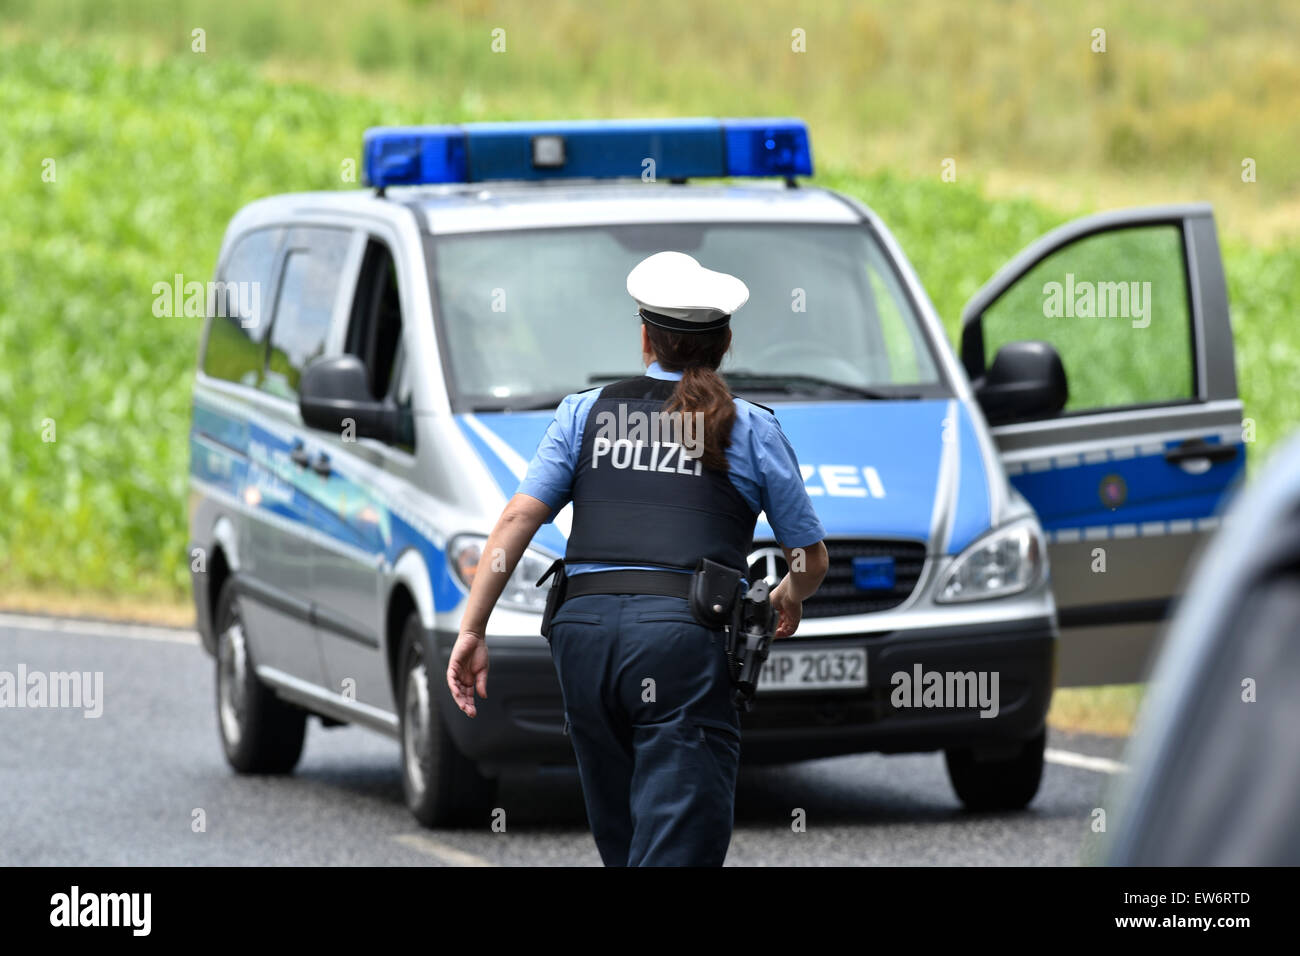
675	292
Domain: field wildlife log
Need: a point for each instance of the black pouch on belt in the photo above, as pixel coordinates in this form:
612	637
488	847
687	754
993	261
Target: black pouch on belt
555	596
715	588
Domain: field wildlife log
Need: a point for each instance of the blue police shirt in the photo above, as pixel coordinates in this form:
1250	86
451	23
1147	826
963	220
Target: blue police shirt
762	467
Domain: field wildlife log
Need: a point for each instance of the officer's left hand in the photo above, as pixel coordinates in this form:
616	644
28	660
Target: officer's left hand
789	610
468	670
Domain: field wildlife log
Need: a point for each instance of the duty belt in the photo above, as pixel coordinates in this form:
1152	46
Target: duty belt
564	586
715	595
663	583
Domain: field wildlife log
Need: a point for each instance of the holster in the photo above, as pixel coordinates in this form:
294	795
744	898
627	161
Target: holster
555	596
715	589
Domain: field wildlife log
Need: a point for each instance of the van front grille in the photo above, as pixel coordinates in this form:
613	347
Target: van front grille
839	595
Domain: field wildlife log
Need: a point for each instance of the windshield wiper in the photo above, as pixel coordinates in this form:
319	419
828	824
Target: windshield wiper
525	403
612	377
808	383
789	383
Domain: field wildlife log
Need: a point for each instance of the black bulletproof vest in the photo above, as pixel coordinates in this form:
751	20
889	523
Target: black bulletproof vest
638	499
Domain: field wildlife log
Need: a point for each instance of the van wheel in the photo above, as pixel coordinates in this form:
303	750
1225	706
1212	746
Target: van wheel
442	786
260	733
997	783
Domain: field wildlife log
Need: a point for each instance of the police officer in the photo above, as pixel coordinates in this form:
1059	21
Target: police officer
662	470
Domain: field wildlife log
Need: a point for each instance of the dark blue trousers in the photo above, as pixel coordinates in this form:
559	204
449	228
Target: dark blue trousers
647	697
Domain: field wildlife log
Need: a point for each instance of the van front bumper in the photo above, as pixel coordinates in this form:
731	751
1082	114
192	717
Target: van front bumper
792	726
521	722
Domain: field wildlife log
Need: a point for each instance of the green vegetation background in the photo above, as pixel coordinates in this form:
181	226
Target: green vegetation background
155	146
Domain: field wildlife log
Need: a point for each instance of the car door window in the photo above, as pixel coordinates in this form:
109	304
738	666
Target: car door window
375	330
375	326
309	288
240	306
1115	306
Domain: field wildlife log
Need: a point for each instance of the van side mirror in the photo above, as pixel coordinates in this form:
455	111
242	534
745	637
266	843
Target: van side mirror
1025	381
335	389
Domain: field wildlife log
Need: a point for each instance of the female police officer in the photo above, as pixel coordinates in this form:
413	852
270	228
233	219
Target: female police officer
646	688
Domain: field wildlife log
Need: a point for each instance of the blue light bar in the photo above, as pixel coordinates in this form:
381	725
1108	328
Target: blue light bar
414	155
764	147
593	149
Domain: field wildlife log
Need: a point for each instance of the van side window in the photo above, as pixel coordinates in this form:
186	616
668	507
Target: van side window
375	328
309	287
240	309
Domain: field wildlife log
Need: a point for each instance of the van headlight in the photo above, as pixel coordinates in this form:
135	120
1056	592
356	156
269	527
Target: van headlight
465	553
1005	561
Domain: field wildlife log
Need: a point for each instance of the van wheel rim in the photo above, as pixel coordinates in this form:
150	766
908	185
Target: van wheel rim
415	726
233	662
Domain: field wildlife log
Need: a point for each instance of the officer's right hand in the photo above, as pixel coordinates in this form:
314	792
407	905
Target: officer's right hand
468	669
789	611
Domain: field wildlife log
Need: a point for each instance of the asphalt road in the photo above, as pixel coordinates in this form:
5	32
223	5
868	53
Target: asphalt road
129	787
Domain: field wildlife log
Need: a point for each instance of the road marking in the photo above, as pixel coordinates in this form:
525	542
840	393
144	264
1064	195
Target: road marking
1068	758
440	851
67	625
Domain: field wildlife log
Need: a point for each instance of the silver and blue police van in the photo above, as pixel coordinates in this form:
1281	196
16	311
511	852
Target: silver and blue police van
379	365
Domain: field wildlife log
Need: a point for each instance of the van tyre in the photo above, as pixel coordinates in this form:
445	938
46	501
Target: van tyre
442	786
999	783
260	733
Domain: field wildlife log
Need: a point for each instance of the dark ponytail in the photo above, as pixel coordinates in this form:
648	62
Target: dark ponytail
697	356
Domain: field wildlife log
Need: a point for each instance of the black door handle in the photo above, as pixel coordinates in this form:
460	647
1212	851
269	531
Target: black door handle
299	456
1199	448
322	465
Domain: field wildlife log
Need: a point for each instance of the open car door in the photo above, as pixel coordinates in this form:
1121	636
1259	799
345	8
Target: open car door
1102	357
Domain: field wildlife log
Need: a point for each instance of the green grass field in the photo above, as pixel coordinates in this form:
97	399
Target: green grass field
154	147
1014	91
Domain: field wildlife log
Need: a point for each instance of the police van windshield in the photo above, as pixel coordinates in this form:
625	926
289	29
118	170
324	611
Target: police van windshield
529	316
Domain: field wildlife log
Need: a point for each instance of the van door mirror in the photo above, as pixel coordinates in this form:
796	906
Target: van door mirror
335	390
1025	381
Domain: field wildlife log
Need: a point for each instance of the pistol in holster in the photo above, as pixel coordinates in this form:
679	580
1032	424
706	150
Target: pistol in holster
720	601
